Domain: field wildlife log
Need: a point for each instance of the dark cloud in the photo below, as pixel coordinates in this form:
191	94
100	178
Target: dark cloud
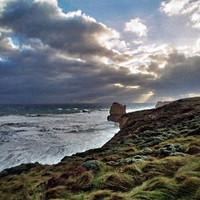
75	34
179	78
47	56
58	58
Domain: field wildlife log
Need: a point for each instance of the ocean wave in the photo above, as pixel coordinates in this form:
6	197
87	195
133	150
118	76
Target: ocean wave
48	138
47	134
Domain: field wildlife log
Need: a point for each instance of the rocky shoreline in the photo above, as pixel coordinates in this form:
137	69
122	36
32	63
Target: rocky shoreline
155	156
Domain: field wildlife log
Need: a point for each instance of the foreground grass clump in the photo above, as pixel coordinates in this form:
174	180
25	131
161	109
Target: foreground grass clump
106	195
155	156
118	182
156	188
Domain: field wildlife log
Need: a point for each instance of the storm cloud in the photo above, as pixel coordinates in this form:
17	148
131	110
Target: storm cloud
48	56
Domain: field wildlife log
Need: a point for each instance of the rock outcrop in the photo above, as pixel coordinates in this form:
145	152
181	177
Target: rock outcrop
116	111
122	121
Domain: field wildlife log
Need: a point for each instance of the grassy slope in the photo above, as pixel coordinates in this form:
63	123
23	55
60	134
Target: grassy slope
155	156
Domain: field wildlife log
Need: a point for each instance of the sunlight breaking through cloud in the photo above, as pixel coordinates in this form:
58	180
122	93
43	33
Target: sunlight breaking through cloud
126	86
75	52
145	97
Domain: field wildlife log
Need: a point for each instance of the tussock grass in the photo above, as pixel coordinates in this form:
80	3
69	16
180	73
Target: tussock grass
118	182
99	195
197	194
191	168
134	169
57	192
157	188
189	187
165	167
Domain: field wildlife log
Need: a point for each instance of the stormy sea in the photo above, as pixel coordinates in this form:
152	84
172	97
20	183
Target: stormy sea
47	133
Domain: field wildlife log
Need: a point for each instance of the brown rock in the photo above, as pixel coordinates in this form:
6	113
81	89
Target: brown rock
122	120
116	111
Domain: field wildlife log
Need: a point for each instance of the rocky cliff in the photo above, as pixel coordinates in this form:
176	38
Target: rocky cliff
155	156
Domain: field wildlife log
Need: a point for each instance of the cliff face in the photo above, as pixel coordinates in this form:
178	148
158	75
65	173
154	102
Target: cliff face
160	122
155	156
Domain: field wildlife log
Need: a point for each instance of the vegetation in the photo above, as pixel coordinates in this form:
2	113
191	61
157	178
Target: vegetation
156	155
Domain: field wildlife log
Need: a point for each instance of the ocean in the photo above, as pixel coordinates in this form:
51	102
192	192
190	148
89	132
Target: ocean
47	133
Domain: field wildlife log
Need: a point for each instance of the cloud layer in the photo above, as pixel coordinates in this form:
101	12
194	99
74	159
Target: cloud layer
136	26
189	8
48	56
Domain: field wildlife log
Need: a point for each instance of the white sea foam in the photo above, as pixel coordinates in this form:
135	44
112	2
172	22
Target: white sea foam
46	134
47	139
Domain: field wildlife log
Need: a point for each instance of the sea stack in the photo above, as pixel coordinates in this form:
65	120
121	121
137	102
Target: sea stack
116	111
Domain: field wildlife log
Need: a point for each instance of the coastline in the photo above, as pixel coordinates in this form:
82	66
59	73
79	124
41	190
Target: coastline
47	133
154	156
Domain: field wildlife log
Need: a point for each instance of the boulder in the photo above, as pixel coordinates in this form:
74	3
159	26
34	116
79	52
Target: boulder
116	111
92	165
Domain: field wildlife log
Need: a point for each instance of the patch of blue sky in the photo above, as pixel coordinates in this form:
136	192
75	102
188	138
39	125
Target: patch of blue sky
15	40
3	59
111	8
113	13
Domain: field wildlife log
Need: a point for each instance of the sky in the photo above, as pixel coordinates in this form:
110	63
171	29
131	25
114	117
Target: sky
86	51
